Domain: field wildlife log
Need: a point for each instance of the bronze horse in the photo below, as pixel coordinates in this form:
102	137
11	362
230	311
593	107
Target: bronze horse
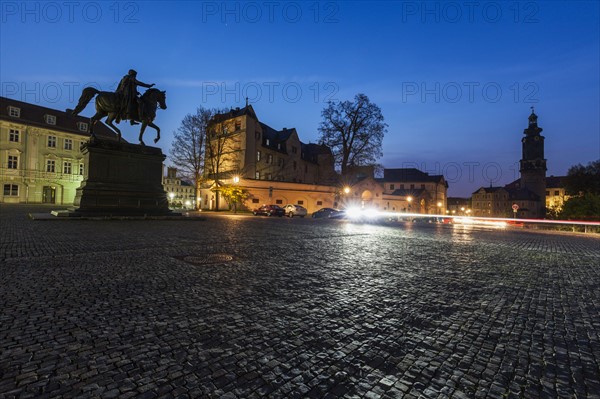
109	105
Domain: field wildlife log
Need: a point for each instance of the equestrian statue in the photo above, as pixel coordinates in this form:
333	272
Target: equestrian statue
124	104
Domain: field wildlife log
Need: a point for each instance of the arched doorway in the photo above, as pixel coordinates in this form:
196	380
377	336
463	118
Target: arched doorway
366	198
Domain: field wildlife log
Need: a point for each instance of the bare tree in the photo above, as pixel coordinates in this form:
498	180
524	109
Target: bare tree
188	148
354	131
223	147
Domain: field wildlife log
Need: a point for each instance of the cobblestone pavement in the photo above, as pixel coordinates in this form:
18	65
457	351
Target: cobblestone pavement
248	307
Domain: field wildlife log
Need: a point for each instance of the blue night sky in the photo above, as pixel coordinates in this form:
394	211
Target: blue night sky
455	80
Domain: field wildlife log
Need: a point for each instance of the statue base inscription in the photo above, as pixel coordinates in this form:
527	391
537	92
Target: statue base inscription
121	179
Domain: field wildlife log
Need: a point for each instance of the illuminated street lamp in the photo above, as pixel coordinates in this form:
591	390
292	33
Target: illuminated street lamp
171	196
346	190
439	204
409	199
462	209
236	179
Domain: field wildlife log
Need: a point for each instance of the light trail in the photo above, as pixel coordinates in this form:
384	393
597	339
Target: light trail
369	214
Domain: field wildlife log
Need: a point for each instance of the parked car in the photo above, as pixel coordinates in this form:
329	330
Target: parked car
324	213
269	210
338	214
292	210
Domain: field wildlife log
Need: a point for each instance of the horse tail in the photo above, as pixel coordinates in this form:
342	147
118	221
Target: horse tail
86	97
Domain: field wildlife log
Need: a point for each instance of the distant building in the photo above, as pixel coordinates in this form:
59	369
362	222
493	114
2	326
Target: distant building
273	165
459	206
556	195
180	193
498	202
400	190
526	195
40	156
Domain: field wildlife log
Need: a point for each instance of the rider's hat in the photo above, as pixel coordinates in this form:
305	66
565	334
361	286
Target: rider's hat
132	72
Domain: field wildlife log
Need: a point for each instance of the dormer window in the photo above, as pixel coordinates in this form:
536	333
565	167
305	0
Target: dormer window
82	126
50	119
267	142
14	112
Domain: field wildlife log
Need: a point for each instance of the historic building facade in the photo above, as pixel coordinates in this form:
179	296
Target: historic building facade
180	193
274	165
525	197
405	190
556	195
40	156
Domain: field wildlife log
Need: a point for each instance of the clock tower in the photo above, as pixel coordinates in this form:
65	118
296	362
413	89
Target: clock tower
533	164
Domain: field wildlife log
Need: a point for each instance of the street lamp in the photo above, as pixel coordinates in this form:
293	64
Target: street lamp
409	199
236	179
439	204
346	190
171	196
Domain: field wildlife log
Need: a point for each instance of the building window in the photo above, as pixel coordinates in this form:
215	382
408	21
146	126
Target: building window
258	156
50	119
300	202
267	142
257	175
68	144
402	187
279	202
81	169
391	186
269	176
11	190
13	162
14	135
270	158
547	193
279	146
50	165
255	200
257	135
14	112
52	141
294	150
238	125
556	192
412	186
67	167
423	186
319	203
82	126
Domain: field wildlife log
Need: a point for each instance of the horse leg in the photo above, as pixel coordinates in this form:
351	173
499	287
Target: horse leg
152	125
99	115
142	129
109	122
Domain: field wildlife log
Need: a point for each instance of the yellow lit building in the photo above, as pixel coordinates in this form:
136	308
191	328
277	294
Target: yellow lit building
400	190
180	193
274	165
555	194
40	157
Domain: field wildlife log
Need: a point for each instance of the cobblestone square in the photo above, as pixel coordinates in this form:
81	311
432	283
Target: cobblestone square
250	307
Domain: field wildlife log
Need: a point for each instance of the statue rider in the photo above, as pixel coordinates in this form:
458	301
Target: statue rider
128	94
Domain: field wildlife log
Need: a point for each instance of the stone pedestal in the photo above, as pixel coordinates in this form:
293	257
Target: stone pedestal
121	179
